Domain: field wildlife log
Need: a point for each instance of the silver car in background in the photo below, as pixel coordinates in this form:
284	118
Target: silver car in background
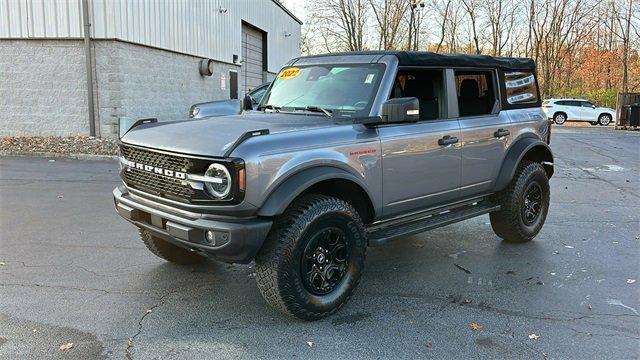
229	107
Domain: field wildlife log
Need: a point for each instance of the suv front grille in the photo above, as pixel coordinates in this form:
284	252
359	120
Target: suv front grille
165	161
156	184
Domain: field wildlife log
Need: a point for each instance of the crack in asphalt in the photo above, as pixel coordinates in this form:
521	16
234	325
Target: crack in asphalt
505	312
131	340
103	291
58	287
618	333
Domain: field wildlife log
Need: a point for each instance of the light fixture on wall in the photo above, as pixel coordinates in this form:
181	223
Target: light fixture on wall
286	34
206	67
222	10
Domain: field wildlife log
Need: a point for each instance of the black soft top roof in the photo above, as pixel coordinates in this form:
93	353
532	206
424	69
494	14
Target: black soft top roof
424	58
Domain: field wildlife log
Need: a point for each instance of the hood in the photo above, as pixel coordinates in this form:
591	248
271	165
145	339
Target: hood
212	136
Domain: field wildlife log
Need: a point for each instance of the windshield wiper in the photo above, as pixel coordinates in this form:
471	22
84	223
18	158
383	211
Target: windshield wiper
315	109
272	107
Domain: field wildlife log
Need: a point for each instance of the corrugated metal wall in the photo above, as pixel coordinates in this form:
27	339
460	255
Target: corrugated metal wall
195	27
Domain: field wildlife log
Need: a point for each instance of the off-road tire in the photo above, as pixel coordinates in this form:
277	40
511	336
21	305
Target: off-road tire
167	251
604	119
559	118
508	222
279	262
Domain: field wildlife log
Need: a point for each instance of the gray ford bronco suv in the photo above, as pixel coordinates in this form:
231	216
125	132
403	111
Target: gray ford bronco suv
344	151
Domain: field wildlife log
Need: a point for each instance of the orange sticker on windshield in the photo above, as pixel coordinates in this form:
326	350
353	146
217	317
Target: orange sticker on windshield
289	73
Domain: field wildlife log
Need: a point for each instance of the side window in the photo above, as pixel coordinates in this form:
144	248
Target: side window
257	95
574	103
425	85
476	92
586	104
521	87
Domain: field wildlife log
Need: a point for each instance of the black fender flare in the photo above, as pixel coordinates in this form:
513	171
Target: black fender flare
280	198
516	153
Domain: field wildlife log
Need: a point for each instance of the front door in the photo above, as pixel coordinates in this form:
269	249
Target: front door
587	111
420	169
573	110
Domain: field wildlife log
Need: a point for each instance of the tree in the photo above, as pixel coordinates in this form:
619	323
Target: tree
341	23
389	16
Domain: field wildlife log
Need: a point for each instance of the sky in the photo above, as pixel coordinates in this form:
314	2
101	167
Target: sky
296	7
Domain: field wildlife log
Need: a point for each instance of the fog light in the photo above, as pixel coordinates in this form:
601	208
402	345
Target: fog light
217	238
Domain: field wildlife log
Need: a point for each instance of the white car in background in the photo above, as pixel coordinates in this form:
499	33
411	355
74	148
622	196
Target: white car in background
561	110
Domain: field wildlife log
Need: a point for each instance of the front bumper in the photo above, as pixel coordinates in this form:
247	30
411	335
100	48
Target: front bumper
236	240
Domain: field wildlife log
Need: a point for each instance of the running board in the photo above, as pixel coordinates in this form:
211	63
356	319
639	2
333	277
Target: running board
383	233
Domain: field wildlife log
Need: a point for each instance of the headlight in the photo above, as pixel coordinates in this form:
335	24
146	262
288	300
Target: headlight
218	181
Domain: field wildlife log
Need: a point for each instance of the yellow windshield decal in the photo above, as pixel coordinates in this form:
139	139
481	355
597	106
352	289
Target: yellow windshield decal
289	73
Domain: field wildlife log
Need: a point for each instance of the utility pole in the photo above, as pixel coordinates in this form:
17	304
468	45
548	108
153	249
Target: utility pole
414	31
87	54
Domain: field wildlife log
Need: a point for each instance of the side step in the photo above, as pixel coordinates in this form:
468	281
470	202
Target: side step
383	233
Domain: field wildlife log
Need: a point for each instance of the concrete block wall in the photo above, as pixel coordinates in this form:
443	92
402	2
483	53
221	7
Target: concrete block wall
43	85
43	88
141	82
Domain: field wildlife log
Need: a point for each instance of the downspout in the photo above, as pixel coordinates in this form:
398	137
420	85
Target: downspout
87	55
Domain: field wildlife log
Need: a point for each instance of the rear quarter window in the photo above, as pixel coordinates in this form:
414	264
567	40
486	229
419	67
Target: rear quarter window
521	88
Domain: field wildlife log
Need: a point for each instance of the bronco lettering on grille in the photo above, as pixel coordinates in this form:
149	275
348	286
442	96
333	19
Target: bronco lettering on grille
152	169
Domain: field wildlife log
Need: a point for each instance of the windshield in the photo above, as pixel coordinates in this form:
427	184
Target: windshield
342	90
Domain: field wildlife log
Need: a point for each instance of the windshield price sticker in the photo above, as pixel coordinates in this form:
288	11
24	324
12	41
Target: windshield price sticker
289	73
369	78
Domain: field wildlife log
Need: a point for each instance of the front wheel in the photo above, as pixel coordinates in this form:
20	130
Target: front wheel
604	119
524	204
313	257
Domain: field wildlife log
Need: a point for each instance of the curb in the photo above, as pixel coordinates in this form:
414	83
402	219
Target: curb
57	156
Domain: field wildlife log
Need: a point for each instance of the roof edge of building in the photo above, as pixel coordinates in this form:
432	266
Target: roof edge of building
284	8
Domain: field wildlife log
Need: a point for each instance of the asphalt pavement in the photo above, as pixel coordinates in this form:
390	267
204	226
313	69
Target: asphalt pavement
72	271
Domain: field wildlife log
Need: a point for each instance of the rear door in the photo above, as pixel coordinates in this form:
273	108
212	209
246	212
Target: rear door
421	161
485	130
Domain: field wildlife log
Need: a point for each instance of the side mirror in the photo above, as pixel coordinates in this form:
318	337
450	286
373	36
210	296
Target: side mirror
593	106
397	110
247	103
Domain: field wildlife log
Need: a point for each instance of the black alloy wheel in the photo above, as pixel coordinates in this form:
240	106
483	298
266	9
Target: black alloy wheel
532	204
325	261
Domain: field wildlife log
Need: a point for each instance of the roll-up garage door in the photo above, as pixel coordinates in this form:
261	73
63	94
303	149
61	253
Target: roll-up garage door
252	56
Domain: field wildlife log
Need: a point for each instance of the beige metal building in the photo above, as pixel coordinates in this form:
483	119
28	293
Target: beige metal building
145	59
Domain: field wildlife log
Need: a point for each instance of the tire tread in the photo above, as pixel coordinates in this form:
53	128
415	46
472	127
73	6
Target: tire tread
506	221
273	282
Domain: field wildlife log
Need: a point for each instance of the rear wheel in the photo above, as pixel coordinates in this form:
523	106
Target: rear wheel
604	119
524	204
559	118
313	257
167	251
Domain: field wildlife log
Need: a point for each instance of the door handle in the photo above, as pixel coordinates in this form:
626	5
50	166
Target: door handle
447	140
501	133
